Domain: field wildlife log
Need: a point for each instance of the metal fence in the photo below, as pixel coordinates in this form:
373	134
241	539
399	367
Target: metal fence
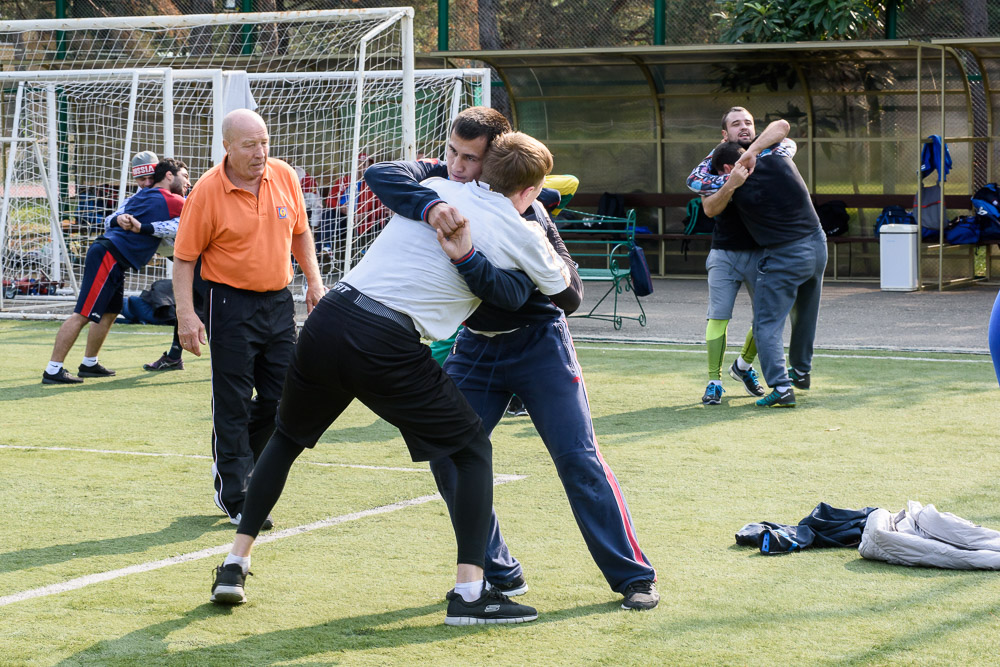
532	24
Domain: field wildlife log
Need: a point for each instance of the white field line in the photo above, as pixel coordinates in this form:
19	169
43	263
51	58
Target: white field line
87	580
202	456
630	343
824	355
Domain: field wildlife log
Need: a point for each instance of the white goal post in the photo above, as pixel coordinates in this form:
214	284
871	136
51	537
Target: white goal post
312	118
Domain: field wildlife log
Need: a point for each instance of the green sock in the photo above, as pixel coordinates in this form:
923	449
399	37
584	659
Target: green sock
715	336
749	351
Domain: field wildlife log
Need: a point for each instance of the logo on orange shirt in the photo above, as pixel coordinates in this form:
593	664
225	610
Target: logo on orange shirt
282	212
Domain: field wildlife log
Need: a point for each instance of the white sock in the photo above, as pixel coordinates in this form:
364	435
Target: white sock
470	590
53	367
89	361
243	562
718	382
784	387
742	365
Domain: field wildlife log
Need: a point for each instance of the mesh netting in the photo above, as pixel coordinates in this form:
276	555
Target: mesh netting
287	41
310	118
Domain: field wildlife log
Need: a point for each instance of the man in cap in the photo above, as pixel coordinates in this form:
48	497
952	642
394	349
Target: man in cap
143	164
130	244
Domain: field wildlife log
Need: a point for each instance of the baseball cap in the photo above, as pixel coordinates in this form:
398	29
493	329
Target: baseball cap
144	163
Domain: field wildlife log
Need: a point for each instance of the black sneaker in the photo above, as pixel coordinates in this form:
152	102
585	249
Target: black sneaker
640	595
512	588
62	377
799	379
165	363
516	407
749	379
491	607
778	399
95	371
267	525
228	585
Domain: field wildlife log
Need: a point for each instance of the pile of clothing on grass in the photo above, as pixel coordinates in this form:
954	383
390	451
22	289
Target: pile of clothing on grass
918	536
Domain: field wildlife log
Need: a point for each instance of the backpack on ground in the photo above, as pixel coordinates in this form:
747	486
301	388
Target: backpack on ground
893	215
833	216
696	221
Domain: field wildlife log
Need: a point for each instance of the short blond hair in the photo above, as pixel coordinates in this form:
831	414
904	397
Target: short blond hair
516	161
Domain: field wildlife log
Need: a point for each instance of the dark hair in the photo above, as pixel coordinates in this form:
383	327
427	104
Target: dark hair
728	152
165	165
514	162
476	122
731	110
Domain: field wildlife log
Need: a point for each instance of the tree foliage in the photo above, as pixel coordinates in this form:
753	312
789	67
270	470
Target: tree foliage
760	21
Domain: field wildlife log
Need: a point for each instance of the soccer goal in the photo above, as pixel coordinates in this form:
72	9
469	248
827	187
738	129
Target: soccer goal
90	92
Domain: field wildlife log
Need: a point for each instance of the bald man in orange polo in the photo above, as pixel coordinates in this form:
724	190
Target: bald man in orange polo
245	217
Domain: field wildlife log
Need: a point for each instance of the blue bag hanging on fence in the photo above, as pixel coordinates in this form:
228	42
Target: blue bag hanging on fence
930	157
642	281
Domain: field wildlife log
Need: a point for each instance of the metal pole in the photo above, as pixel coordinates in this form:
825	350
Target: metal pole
920	144
247	29
944	145
891	7
11	159
168	113
659	22
442	25
60	34
409	110
52	134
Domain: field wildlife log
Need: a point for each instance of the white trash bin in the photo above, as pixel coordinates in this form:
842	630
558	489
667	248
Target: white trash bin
898	246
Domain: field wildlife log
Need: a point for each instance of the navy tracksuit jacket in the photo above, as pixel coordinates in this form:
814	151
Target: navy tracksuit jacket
537	362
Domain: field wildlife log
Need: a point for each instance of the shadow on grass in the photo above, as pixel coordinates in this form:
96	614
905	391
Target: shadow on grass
183	529
39	390
355	633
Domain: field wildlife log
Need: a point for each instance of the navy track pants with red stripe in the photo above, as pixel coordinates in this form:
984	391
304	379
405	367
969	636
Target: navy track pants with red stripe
538	363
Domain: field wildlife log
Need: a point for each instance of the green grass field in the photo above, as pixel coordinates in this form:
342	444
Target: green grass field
115	474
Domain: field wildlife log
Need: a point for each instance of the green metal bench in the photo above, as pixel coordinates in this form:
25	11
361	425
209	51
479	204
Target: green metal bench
600	244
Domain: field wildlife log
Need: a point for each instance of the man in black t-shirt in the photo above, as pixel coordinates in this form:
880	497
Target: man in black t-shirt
774	205
731	262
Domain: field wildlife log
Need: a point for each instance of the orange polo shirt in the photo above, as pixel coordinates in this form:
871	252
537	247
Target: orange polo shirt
244	241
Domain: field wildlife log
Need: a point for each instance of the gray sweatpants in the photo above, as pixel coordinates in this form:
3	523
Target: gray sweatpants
789	283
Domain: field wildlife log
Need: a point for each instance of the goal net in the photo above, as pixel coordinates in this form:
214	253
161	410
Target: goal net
89	123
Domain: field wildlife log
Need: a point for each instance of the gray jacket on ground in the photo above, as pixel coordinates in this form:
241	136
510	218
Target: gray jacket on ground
924	537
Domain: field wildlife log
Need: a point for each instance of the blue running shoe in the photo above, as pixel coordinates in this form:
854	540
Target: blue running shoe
713	394
778	399
749	378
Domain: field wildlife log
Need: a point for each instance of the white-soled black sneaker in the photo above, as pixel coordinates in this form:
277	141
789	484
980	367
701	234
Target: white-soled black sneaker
62	377
641	595
95	371
751	383
491	607
228	585
800	379
512	588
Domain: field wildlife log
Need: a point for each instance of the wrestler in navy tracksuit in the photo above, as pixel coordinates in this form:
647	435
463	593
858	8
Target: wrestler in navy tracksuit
534	359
